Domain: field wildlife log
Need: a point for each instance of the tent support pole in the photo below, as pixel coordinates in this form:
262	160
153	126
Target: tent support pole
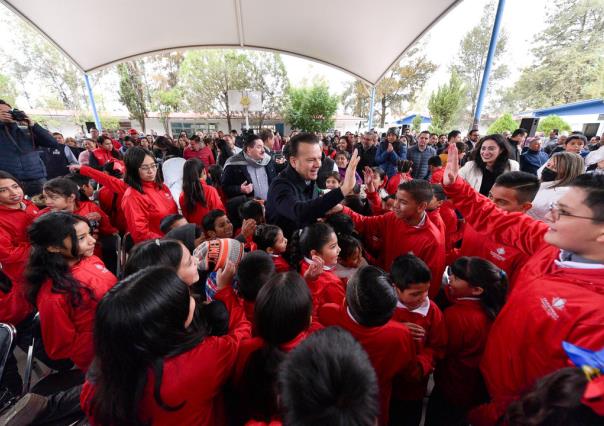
95	114
371	109
489	63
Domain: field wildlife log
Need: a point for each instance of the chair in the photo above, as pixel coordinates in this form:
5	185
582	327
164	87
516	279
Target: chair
8	334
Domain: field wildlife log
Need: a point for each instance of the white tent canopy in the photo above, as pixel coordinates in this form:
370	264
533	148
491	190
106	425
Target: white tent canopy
361	37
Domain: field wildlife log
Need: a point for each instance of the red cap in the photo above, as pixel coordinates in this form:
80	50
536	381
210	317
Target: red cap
133	132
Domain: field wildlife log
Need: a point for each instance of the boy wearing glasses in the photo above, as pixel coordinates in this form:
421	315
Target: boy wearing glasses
558	293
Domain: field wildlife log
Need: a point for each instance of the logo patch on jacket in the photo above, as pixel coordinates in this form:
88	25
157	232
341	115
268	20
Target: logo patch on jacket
552	308
499	253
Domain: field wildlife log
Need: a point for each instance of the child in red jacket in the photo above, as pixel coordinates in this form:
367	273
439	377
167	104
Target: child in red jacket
197	198
424	319
319	250
367	315
282	320
65	281
254	270
270	238
477	291
407	228
155	363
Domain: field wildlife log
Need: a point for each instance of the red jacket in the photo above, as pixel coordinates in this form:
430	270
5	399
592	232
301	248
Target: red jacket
205	154
213	202
103	157
67	331
113	188
446	219
437	176
195	377
395	181
326	288
428	352
397	237
281	265
14	252
550	303
390	348
506	257
458	376
145	210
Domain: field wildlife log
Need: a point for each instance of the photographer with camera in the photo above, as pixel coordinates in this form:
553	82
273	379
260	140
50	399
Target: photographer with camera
18	148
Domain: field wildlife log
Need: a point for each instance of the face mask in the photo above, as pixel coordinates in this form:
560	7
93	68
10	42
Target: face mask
548	175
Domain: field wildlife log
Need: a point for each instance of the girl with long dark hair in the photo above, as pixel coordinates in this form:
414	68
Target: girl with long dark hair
285	295
147	200
477	290
224	151
65	281
197	198
154	364
490	158
63	194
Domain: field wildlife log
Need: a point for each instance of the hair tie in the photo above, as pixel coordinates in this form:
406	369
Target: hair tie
502	274
157	241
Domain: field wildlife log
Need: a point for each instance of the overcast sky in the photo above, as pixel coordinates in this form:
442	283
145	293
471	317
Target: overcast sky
522	20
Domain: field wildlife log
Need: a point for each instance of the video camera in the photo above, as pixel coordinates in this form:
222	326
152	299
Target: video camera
18	115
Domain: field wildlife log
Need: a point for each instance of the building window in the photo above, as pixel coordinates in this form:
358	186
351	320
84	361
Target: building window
191	127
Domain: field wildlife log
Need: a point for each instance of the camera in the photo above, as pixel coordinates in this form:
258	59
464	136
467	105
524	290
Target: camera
94	225
18	115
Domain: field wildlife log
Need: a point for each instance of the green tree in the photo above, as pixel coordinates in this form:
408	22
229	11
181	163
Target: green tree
108	122
132	91
209	75
356	98
569	58
472	57
551	122
311	108
8	92
503	123
416	124
268	75
167	102
445	104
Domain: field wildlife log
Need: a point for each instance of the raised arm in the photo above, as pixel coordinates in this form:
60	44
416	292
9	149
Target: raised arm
113	183
513	229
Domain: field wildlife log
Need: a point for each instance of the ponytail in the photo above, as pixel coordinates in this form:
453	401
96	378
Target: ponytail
312	237
481	273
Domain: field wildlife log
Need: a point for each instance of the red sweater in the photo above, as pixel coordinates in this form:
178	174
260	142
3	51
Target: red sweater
14	252
67	331
437	176
281	265
458	375
195	377
205	154
326	288
213	202
395	181
112	187
103	157
145	210
390	348
426	242
431	350
506	257
550	303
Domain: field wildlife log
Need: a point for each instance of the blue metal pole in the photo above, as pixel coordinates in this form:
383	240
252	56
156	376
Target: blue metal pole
489	63
93	104
371	106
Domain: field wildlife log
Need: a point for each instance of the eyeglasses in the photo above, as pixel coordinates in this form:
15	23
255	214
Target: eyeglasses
555	211
148	167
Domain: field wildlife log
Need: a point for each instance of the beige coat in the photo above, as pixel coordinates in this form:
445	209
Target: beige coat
473	175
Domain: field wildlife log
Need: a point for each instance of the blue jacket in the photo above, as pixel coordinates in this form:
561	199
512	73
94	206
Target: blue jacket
531	161
388	160
18	150
420	169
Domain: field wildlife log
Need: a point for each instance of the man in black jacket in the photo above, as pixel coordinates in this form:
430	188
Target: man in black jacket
294	200
250	172
18	150
367	150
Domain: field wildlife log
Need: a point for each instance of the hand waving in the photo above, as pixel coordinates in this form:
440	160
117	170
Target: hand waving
350	179
452	169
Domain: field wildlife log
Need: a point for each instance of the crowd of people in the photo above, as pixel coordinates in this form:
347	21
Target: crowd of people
309	279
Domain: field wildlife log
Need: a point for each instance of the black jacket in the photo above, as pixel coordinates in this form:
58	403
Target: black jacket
367	157
19	155
233	175
292	204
